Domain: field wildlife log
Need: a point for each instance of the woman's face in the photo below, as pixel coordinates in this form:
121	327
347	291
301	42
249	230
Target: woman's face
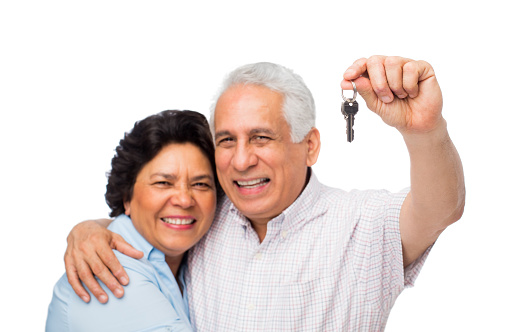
174	199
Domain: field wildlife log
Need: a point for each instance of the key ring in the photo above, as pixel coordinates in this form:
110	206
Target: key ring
348	100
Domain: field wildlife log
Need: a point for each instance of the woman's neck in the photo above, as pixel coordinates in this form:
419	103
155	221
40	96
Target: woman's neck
174	263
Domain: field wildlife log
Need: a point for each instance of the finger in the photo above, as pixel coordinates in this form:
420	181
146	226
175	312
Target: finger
87	278
414	72
112	262
394	76
121	245
364	88
358	68
73	280
103	269
378	79
347	85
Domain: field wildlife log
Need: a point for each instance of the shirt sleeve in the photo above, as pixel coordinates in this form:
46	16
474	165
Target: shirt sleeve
392	244
143	308
379	264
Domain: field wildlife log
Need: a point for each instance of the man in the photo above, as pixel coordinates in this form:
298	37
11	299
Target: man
286	252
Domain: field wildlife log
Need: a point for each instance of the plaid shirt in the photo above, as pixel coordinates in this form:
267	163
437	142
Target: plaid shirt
332	261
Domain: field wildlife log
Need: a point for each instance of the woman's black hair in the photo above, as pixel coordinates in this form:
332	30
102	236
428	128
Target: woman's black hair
145	141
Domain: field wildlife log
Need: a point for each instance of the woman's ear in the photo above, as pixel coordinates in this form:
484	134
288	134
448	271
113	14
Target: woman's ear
313	146
127	208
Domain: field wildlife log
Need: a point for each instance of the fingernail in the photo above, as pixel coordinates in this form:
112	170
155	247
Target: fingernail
348	71
119	292
124	280
85	299
386	99
103	299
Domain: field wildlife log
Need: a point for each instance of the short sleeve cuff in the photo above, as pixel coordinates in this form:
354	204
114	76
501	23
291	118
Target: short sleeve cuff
413	270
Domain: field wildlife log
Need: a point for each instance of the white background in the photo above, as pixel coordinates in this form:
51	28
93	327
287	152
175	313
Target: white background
74	76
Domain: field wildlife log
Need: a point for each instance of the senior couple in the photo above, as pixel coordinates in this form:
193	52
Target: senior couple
284	252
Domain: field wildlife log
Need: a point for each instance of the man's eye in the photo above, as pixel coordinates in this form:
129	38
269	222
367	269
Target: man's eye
225	141
261	139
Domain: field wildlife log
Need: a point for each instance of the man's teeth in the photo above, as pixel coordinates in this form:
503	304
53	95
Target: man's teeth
178	221
252	183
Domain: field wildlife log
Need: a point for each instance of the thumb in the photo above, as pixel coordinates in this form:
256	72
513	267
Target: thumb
121	245
365	89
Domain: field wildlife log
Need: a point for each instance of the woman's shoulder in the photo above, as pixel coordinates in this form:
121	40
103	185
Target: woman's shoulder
143	306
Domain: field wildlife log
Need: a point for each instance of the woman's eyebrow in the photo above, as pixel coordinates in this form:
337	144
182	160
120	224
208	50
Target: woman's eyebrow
203	177
174	177
167	176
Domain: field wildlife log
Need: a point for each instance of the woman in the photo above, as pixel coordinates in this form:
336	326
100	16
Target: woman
162	189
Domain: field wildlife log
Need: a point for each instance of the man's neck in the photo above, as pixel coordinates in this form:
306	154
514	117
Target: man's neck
260	224
260	228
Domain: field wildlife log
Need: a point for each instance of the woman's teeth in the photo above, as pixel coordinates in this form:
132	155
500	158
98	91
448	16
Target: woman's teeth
178	221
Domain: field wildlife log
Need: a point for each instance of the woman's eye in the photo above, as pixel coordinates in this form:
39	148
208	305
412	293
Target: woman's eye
201	185
162	183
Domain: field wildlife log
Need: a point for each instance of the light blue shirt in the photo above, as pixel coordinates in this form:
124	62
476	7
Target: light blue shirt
152	301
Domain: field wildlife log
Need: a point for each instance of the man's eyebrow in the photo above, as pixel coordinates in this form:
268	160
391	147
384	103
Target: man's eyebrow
222	133
262	131
253	131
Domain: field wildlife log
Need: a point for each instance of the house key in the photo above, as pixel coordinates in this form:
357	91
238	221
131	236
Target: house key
349	109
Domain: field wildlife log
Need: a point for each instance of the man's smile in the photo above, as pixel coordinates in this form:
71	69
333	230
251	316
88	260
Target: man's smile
252	183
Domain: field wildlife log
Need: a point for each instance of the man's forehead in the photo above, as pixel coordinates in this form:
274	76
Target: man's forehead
246	100
251	121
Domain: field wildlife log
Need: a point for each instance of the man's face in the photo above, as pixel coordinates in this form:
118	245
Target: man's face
260	169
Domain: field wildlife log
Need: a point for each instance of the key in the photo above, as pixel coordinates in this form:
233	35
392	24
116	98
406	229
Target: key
349	109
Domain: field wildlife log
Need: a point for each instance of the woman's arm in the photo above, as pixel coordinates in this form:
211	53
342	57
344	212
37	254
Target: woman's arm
90	253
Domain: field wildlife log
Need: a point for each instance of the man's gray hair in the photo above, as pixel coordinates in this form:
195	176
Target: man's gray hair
299	109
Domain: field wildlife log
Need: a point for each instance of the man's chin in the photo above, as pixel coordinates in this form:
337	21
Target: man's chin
255	213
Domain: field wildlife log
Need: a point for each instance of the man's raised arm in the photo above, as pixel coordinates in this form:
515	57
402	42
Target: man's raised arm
90	253
406	95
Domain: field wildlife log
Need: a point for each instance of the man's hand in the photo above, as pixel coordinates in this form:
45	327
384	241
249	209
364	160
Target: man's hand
90	253
406	95
403	92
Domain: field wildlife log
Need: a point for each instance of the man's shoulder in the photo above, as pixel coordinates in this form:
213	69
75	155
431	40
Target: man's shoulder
357	196
338	198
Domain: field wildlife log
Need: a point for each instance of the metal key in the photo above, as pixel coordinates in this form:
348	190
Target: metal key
349	109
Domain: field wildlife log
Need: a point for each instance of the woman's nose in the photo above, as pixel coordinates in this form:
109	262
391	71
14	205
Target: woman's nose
182	197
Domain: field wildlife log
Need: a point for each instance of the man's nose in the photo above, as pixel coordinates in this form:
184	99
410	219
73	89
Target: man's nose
244	157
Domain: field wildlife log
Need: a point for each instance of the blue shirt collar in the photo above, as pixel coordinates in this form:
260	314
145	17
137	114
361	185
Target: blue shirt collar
123	225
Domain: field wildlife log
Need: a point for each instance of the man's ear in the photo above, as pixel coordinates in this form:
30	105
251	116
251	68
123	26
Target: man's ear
313	146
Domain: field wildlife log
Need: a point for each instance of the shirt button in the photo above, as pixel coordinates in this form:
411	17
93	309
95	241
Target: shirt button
258	256
283	234
251	306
